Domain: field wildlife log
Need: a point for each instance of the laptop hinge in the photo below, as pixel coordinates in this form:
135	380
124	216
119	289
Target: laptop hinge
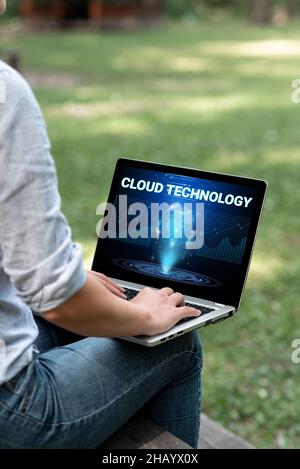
218	304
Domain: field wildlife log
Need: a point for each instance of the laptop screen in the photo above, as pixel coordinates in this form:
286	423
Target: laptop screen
177	227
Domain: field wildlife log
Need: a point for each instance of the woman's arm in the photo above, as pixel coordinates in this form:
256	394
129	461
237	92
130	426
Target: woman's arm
38	254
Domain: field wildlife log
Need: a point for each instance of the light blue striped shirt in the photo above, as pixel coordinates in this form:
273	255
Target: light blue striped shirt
40	267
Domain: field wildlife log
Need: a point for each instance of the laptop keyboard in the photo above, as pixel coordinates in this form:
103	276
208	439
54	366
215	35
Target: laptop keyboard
130	294
203	309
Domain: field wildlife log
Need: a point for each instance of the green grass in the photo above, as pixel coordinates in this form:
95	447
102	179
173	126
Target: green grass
214	96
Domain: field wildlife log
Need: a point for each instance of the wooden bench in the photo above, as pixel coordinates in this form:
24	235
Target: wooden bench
140	433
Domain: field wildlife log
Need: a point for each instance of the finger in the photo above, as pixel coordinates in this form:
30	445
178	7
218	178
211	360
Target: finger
177	299
145	291
114	284
166	291
114	290
108	280
111	286
187	312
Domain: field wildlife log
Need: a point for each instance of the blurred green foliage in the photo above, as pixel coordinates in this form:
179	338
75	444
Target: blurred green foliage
198	7
12	8
176	8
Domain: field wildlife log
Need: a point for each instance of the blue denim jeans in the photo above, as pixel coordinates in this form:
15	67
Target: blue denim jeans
77	392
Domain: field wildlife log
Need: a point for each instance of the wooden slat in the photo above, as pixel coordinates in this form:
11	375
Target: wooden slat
214	436
204	445
140	433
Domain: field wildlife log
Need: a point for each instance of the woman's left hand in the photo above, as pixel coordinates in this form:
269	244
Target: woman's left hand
109	284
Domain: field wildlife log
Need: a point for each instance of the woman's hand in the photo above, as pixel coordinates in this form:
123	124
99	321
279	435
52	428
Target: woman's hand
109	284
165	308
99	309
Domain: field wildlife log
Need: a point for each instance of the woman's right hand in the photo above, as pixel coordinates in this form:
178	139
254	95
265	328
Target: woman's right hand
164	307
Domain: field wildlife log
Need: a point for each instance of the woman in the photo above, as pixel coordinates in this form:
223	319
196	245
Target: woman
64	383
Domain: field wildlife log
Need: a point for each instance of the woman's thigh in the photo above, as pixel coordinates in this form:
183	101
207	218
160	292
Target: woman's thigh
79	394
51	336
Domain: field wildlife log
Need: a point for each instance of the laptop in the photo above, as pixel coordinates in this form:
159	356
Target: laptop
191	230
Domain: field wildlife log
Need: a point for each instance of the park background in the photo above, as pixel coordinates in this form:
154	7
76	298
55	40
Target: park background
206	84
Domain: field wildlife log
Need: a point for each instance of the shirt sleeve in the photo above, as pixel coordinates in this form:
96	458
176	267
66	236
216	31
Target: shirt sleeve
43	264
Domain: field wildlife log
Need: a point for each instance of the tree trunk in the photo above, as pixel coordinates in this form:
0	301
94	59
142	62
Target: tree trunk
261	11
291	8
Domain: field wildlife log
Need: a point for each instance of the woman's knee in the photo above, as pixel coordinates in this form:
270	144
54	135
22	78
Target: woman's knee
194	345
194	341
190	343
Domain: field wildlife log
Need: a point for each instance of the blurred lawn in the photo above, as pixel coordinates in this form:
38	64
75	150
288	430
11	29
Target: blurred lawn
211	96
